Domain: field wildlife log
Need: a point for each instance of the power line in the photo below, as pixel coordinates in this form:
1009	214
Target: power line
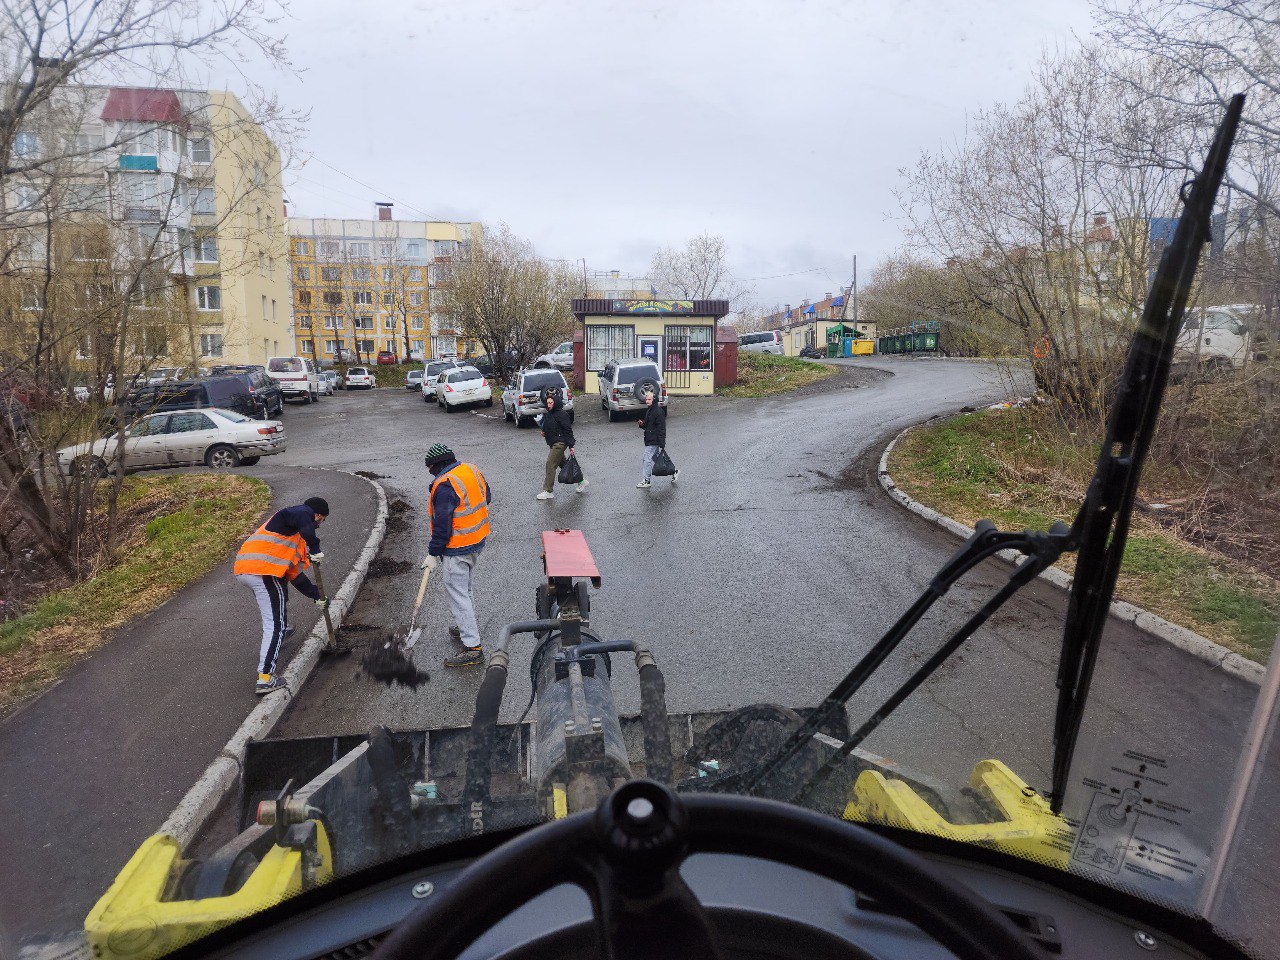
381	193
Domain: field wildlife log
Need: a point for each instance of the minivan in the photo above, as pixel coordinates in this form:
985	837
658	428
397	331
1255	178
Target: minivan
297	377
769	341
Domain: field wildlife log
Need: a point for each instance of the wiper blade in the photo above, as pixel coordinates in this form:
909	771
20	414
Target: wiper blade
1101	527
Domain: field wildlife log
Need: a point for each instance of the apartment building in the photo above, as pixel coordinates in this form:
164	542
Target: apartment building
166	211
361	287
807	325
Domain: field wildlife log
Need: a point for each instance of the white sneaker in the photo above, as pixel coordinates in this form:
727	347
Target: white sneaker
582	485
546	496
675	476
643	485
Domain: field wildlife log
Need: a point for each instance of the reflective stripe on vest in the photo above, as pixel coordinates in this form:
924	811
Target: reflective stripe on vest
267	554
471	517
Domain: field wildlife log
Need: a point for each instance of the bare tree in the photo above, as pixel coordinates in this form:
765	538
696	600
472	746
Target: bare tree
697	271
515	303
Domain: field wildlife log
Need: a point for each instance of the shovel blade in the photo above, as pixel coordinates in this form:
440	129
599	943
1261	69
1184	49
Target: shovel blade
412	638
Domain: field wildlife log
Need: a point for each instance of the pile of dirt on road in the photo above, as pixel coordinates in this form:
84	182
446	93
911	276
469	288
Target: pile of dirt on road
388	662
385	567
399	506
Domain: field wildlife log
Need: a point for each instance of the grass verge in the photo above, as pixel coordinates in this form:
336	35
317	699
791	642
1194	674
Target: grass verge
999	465
763	374
174	529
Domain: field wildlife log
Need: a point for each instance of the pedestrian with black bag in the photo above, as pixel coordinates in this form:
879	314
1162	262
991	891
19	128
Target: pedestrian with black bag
557	430
656	461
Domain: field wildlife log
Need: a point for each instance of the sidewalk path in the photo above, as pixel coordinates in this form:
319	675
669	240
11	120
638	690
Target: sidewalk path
92	768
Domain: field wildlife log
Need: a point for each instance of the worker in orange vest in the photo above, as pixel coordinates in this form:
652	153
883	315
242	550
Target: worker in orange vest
458	506
267	563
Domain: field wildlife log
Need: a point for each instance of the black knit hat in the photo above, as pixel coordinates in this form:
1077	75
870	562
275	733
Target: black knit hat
317	505
439	453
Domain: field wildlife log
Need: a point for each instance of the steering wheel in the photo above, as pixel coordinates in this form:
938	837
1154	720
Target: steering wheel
627	854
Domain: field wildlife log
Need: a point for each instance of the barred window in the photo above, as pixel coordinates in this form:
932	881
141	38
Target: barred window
605	343
688	348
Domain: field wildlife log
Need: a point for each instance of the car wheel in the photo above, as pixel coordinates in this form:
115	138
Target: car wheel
448	408
603	404
426	398
222	457
306	399
249	461
613	415
507	414
489	402
646	386
522	422
89	467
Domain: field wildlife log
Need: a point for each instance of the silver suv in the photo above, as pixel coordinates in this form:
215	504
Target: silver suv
561	357
522	397
622	385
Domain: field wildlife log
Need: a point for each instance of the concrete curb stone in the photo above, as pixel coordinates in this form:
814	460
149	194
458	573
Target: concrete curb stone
1200	647
221	776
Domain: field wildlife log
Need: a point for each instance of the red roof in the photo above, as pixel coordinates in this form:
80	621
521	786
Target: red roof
144	106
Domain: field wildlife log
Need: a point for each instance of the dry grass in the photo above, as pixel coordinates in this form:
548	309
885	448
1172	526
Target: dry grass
1022	469
174	529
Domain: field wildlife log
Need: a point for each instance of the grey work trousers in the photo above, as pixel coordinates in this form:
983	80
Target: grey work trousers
457	583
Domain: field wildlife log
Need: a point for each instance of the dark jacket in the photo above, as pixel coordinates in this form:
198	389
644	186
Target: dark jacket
300	519
443	503
655	425
556	427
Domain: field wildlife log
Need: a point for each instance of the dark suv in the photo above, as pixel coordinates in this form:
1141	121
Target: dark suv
230	392
264	388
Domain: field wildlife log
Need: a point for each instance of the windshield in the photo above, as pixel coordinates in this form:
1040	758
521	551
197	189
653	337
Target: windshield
887	268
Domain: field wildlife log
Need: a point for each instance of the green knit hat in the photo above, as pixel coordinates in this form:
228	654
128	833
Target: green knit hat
439	454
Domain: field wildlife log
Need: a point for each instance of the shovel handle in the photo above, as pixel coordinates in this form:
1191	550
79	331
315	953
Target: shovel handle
328	622
422	592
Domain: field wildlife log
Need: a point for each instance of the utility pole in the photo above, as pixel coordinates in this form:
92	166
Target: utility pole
855	288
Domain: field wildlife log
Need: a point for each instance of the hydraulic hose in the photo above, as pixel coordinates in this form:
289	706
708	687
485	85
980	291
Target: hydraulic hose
484	725
653	717
523	626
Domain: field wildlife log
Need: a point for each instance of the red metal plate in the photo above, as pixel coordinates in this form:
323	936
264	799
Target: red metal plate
565	554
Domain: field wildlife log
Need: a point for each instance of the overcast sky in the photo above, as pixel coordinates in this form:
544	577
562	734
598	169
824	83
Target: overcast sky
604	130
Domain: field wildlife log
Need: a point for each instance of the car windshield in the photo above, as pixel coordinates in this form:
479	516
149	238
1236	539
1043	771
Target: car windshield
955	514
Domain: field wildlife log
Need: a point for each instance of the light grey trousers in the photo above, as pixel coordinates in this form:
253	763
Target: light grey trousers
457	583
646	472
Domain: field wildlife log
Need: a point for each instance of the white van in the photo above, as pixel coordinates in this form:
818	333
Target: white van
1220	338
768	342
297	376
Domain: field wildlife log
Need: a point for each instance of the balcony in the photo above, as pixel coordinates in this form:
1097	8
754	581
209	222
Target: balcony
146	163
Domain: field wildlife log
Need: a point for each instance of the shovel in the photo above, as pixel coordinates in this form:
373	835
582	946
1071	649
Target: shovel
332	646
414	630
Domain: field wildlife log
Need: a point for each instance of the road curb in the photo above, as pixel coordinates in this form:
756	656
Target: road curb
1189	641
222	774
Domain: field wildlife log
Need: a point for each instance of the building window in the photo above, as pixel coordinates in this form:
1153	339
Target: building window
364	274
362	298
137	140
388	299
202	200
444	346
331	346
329	248
414	249
201	152
415	299
386	249
389	321
26	197
331	274
364	346
445	248
209	298
415	274
415	323
333	298
304	298
605	343
264	306
87	248
302	248
415	346
262	262
32	298
389	346
386	274
333	323
363	323
206	249
688	348
357	250
304	321
304	273
210	344
86	140
307	346
26	145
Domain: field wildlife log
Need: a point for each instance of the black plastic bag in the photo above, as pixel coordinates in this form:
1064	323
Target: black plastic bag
570	472
662	465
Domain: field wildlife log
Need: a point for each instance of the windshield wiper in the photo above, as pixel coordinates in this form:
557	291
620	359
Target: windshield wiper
1099	532
1102	525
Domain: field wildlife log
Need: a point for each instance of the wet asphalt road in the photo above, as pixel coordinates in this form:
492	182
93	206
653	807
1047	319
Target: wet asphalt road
763	576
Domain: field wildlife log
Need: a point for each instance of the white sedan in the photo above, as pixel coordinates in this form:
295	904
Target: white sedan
359	377
218	438
465	385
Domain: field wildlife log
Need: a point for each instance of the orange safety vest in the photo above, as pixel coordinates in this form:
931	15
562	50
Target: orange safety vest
471	518
267	554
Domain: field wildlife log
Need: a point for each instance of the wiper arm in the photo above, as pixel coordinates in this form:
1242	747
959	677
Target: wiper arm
1101	528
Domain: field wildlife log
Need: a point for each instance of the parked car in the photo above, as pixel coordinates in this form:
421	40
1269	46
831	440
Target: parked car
622	384
297	377
332	381
462	387
770	341
522	397
431	373
413	379
386	358
484	362
561	357
224	368
218	438
359	377
235	392
84	392
163	375
1221	339
813	353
